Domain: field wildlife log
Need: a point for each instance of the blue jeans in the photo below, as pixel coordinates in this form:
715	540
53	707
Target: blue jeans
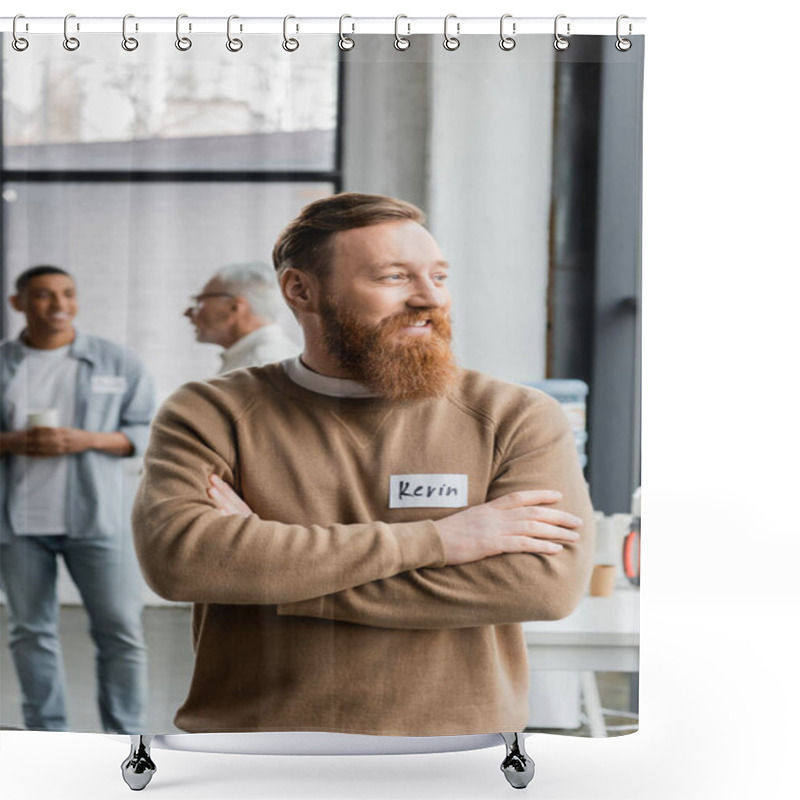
107	576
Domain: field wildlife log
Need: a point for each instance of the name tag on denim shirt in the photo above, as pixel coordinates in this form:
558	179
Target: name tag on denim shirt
109	384
428	491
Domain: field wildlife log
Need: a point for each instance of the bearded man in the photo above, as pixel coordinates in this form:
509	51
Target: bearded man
363	528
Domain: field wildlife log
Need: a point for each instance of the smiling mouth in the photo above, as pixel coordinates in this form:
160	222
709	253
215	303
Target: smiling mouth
420	325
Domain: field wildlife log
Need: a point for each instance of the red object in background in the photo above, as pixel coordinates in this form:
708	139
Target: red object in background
631	552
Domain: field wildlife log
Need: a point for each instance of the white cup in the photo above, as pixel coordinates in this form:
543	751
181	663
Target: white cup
605	545
45	418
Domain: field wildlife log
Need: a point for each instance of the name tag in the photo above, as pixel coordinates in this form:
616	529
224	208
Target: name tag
427	491
109	384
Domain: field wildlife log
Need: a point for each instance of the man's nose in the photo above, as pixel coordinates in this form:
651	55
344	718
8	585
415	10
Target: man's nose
189	313
427	294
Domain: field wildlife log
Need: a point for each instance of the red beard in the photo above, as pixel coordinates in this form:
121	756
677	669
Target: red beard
406	367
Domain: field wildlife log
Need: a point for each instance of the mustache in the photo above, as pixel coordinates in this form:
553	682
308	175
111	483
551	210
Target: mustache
440	320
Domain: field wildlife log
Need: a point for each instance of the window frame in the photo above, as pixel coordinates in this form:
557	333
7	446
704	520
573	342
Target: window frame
332	176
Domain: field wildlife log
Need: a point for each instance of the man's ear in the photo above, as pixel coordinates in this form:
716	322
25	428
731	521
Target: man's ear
300	290
15	302
240	304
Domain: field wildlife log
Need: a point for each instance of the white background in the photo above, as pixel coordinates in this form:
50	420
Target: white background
719	694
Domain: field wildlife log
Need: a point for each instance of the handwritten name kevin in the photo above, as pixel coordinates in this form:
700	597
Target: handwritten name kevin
428	491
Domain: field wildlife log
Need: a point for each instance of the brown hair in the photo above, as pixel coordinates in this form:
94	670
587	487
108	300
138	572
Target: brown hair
305	242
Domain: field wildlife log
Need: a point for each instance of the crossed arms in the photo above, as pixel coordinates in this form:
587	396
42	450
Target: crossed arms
520	522
516	557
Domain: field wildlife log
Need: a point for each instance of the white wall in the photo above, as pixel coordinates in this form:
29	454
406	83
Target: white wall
447	130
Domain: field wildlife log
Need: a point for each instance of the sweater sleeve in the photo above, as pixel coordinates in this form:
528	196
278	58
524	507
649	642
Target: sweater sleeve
190	552
537	452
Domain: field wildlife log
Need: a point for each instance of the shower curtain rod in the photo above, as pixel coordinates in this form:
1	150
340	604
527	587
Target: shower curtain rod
346	25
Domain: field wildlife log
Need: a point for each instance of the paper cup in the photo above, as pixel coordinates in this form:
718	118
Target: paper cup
46	418
603	577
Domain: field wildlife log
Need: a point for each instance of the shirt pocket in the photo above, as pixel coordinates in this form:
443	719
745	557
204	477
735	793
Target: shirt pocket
104	402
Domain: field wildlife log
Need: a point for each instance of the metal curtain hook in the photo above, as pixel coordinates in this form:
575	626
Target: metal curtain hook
233	44
560	42
400	42
183	43
451	42
129	43
289	44
70	42
623	44
507	42
345	42
19	43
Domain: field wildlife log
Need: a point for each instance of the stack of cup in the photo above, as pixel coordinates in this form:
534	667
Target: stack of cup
604	577
604	574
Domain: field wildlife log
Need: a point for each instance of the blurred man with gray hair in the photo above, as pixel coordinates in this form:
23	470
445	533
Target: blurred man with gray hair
236	309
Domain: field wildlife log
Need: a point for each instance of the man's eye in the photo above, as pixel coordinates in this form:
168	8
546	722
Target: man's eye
441	278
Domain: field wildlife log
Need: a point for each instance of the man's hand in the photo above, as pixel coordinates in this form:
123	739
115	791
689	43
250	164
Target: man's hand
14	442
515	523
45	442
225	499
58	441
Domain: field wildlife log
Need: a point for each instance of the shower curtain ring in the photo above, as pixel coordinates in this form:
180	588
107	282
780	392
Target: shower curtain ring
183	43
561	42
345	42
400	42
129	43
451	42
233	44
70	42
623	44
507	42
289	44
19	43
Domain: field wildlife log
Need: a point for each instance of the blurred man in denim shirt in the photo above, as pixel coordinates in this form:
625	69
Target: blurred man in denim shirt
72	407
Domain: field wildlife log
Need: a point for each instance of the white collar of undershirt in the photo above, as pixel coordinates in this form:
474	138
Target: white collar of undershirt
262	335
324	384
53	353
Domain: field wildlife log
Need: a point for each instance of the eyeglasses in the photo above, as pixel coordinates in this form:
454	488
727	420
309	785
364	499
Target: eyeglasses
198	299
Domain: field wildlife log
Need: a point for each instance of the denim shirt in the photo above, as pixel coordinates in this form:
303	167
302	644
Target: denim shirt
123	400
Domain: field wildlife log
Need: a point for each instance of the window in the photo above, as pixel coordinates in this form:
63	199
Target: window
142	173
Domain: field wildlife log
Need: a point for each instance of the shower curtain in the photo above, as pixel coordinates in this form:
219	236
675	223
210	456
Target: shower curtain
137	173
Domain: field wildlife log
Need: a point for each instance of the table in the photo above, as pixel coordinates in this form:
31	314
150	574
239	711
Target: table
601	635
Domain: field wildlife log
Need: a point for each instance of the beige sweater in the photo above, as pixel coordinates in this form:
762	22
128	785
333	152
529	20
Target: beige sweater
327	610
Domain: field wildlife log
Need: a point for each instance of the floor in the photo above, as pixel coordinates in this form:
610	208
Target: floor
168	636
167	630
615	695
